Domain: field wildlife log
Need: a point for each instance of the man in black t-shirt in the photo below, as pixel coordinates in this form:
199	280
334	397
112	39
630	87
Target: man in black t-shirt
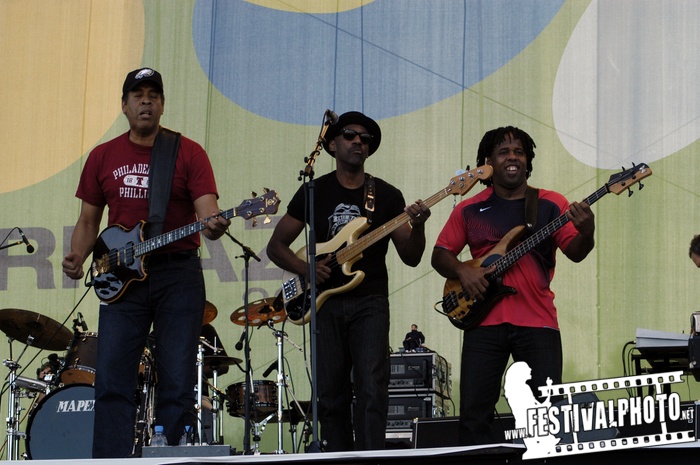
353	326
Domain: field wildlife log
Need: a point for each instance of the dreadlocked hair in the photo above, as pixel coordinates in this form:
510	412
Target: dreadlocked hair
694	246
497	136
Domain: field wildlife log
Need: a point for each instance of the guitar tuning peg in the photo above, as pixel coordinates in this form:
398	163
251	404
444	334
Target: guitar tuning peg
266	190
267	219
255	222
641	186
630	192
253	194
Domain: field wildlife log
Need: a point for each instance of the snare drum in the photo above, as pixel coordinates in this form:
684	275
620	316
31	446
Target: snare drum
263	399
81	360
61	425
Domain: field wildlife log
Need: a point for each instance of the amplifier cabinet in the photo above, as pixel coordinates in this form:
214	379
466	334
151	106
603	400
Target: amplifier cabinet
420	371
405	408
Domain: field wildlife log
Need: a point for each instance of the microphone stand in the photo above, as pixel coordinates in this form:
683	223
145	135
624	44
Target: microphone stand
308	172
247	254
11	244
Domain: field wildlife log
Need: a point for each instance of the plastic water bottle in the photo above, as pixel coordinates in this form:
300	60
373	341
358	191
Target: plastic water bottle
185	440
159	439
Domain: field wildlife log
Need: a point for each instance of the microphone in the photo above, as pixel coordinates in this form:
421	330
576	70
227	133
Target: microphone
331	116
239	344
82	322
30	247
267	372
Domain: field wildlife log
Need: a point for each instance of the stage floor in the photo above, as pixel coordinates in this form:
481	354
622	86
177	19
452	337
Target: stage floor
493	454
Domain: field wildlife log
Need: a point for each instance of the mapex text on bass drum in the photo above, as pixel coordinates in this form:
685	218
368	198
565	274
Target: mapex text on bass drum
61	425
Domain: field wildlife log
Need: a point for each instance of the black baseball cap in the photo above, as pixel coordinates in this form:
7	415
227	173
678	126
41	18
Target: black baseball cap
139	76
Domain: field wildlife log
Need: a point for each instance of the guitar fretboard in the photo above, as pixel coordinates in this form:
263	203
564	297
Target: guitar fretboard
354	249
509	259
149	245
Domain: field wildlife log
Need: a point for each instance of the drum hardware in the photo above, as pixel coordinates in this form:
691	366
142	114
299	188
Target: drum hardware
13	410
46	334
210	312
39	331
280	337
260	312
212	364
61	425
81	359
145	401
247	255
32	385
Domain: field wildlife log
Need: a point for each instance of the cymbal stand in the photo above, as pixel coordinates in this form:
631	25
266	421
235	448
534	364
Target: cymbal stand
247	388
217	436
200	374
13	406
280	336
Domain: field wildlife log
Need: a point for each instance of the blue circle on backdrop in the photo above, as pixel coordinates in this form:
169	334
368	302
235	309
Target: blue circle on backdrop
386	59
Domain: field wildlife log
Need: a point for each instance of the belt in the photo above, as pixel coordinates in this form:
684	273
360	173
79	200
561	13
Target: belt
157	258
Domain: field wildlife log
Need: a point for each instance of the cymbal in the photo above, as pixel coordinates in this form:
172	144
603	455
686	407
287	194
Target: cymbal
211	361
210	313
22	324
260	312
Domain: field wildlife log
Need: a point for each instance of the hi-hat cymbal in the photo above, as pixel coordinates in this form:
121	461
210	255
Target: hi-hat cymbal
210	313
46	333
216	361
260	312
220	363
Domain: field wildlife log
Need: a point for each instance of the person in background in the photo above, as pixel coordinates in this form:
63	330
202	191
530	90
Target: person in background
694	251
414	339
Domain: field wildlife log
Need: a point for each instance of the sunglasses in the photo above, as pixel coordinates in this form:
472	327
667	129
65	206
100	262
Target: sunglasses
349	134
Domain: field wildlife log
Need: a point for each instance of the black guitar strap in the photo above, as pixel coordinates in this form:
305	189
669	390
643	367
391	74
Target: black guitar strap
369	196
160	178
531	196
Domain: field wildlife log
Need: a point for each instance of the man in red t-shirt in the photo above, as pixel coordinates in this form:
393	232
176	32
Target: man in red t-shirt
524	324
172	297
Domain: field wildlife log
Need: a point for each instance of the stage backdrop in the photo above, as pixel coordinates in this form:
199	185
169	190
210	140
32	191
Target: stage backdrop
598	84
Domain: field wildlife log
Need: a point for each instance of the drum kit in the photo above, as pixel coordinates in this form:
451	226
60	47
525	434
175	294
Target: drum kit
264	402
62	408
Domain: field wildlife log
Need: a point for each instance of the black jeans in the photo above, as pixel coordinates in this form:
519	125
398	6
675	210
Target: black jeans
172	298
485	354
353	357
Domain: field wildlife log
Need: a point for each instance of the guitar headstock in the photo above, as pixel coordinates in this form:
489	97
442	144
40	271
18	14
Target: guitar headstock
266	204
463	182
622	181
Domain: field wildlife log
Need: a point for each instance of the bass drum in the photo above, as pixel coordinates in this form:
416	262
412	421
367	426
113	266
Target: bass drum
61	425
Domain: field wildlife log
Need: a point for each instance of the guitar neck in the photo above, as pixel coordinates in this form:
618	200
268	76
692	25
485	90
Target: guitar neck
149	245
509	259
384	230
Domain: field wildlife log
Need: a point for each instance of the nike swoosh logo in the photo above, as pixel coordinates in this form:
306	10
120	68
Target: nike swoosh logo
484	209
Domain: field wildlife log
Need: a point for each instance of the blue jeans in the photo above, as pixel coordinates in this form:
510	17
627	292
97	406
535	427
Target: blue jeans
353	357
172	299
485	355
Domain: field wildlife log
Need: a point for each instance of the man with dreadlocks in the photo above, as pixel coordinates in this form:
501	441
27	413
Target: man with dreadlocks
523	324
694	251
